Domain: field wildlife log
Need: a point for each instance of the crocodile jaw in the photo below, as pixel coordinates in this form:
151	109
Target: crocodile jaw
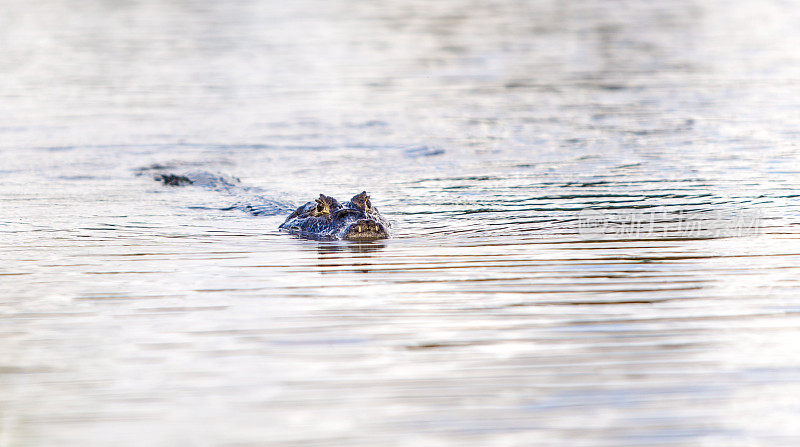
365	230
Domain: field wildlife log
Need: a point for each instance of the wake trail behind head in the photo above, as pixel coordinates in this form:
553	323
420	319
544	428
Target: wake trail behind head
250	199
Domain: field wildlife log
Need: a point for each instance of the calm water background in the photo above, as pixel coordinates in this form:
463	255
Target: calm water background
501	314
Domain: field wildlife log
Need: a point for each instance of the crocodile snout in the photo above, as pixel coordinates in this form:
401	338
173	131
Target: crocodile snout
365	230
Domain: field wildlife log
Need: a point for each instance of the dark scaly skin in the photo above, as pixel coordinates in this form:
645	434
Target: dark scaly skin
326	218
173	180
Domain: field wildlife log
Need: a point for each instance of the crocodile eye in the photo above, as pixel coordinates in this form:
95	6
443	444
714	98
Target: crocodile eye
321	209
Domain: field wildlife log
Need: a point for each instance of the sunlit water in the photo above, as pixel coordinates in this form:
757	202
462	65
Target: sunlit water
595	208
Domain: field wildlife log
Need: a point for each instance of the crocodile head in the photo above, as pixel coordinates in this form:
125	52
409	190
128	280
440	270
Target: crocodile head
327	218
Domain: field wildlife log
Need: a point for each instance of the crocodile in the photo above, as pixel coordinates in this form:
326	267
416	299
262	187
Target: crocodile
323	218
327	218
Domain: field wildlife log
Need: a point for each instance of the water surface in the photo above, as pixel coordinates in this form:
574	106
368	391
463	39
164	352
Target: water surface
595	209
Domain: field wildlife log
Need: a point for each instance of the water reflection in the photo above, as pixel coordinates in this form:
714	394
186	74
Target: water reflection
348	257
594	213
339	247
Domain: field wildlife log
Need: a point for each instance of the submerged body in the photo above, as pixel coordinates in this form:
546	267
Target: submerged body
326	218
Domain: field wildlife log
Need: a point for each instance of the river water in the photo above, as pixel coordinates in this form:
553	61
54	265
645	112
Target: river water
594	205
